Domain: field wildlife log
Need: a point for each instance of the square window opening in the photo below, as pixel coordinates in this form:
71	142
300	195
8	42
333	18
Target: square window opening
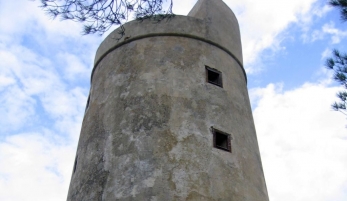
214	76
221	140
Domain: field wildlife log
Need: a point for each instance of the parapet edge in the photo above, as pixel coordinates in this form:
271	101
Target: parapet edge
179	26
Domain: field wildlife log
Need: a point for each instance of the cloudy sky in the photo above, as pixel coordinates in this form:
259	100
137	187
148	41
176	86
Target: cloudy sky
45	68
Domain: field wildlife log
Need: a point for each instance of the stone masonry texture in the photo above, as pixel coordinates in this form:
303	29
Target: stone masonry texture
146	134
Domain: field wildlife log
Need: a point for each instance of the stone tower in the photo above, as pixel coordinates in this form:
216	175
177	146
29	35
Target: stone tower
168	115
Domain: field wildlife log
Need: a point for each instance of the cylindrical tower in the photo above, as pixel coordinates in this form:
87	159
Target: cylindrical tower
168	115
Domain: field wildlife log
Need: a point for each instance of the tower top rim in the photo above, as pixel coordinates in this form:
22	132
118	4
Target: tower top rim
178	26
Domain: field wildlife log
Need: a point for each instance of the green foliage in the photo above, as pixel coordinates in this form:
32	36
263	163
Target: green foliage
338	63
342	6
98	16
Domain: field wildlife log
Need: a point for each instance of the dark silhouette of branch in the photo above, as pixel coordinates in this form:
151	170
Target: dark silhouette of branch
338	63
342	6
98	16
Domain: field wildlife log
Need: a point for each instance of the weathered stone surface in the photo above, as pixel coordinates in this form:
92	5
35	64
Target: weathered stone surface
146	134
220	24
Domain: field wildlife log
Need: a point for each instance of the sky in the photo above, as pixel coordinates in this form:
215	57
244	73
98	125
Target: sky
45	78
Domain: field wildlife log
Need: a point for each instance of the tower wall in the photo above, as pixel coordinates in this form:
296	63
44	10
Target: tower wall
146	134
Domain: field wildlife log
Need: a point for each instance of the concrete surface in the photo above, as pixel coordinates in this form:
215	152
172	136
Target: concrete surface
146	134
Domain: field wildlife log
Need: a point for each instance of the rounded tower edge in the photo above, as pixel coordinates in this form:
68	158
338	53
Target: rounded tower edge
156	127
151	129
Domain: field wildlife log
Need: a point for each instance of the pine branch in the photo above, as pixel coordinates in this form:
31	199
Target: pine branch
342	6
98	16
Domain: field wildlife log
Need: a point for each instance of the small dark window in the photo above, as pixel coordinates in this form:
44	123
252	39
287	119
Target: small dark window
221	140
214	76
75	165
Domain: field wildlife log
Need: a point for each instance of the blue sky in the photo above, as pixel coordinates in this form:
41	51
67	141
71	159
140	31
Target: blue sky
44	83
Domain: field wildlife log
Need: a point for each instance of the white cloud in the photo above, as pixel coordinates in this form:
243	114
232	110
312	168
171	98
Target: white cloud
5	81
37	163
316	35
16	109
35	167
35	61
182	7
38	84
336	34
303	142
320	12
262	22
326	53
33	18
328	29
73	67
41	111
17	104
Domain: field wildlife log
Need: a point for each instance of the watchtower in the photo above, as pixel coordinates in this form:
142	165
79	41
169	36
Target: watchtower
168	115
